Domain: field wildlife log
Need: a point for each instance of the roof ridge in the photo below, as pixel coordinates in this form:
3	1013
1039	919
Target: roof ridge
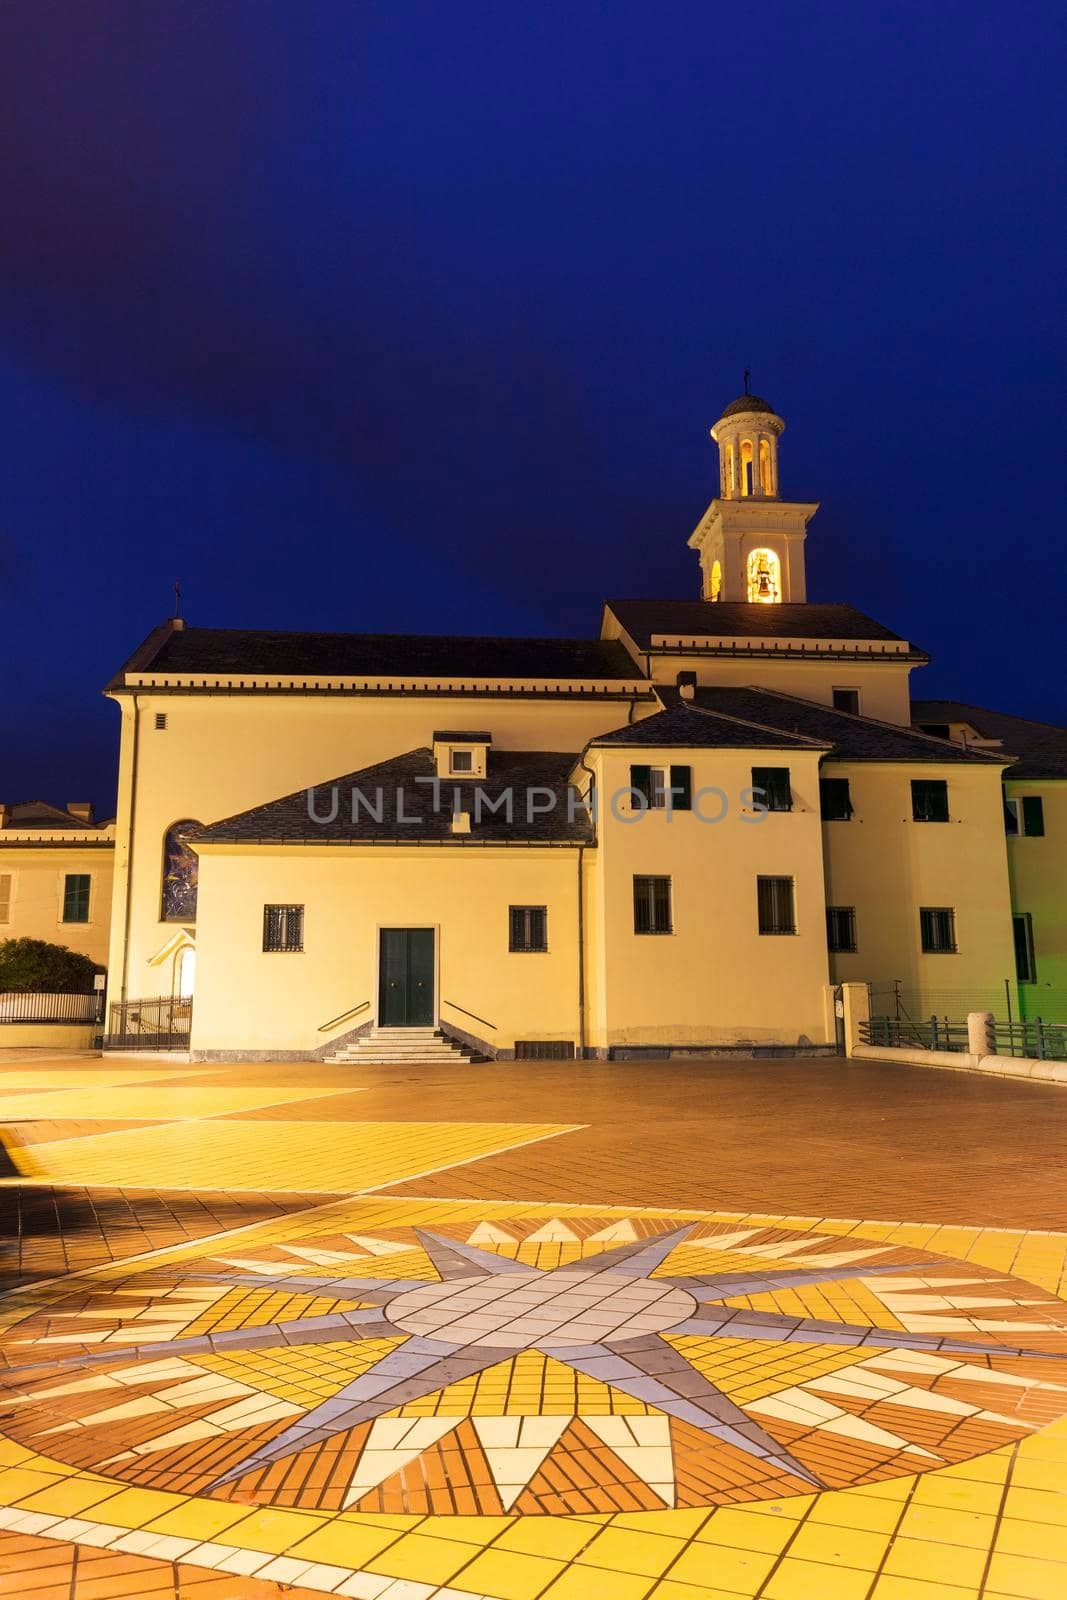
853	716
750	722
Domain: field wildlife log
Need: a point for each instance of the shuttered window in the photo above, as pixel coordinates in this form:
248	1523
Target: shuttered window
1023	930
656	784
1033	816
937	925
527	928
6	881
772	788
929	800
841	928
76	897
835	802
774	900
283	927
652	905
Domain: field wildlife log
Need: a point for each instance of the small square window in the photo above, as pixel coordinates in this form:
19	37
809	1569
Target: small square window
527	929
652	905
283	928
847	700
76	897
161	721
772	789
841	928
929	800
937	925
462	760
774	900
835	801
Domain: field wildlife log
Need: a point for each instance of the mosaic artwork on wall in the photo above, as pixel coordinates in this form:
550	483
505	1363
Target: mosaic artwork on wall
180	867
522	1366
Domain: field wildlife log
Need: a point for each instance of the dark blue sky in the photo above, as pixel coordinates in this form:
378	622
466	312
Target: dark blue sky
414	316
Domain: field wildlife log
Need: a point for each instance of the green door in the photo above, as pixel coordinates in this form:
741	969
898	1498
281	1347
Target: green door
405	984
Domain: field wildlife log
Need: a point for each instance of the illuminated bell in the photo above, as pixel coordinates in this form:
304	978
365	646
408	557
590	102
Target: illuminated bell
763	585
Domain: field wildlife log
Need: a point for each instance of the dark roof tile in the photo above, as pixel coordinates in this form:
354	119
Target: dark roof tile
1041	747
689	726
737	619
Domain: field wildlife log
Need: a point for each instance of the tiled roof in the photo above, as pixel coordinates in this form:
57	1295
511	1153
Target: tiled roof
688	725
746	403
851	738
1041	747
210	651
457	736
737	619
521	771
39	814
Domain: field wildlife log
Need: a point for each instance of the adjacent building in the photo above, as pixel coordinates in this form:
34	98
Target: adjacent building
56	876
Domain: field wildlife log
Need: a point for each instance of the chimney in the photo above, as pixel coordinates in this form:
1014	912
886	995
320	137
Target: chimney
5	812
461	822
82	809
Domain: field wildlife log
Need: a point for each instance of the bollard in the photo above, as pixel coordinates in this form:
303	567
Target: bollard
981	1040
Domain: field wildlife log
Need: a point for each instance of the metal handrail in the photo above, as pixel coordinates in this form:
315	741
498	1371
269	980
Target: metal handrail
324	1027
472	1014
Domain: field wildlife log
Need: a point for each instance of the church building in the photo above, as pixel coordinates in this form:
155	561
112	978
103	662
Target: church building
679	836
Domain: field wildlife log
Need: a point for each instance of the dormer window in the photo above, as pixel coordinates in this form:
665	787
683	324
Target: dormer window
459	754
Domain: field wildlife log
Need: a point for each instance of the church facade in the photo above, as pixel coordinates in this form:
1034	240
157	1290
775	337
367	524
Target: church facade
678	836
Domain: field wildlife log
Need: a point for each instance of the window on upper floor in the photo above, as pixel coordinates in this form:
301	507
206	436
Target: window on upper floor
7	886
835	801
652	905
1024	816
775	905
663	788
283	928
771	788
1023	930
929	800
527	929
76	887
841	928
847	700
461	760
937	928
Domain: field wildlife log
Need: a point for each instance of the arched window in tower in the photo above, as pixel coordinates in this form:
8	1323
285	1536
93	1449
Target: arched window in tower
765	467
728	486
746	466
178	899
764	577
716	581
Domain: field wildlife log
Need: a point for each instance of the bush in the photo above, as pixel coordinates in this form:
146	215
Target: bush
33	966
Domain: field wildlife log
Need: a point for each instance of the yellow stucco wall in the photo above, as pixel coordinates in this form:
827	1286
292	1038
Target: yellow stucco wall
224	753
247	999
714	978
886	865
883	687
38	872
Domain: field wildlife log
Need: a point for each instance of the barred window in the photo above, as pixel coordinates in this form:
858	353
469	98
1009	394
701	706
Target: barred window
937	925
774	900
652	905
283	927
527	928
76	897
835	802
772	788
841	928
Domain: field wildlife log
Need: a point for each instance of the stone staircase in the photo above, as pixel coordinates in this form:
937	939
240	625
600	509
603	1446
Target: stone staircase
403	1046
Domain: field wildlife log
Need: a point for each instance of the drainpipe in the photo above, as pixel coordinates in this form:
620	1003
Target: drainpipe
581	955
129	852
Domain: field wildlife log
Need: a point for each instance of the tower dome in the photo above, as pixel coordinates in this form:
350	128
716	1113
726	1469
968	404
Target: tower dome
747	436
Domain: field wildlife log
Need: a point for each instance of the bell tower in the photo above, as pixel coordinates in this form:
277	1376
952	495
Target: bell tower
751	542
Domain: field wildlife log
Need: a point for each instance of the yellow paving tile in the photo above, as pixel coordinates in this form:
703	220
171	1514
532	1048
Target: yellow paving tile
69	1497
272	1155
557	1537
848	1547
943	1563
1047	1540
747	1530
347	1541
508	1575
155	1102
578	1583
422	1559
958	1494
620	1550
132	1508
891	1588
722	1567
856	1510
198	1519
276	1531
1025	1578
811	1580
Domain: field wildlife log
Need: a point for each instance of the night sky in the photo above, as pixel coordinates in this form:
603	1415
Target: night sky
414	316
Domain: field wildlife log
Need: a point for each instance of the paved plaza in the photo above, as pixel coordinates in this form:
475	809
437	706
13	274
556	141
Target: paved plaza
684	1331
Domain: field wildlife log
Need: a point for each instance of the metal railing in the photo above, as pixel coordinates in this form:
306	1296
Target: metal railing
25	1007
343	1016
902	1033
162	1022
1047	1041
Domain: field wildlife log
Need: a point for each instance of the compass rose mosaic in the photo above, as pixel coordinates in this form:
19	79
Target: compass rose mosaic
526	1363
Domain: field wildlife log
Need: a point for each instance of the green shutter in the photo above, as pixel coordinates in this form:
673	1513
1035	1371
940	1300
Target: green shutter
641	780
1033	815
682	788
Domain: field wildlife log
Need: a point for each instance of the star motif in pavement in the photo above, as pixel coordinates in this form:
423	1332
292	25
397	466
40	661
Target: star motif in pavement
604	1316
